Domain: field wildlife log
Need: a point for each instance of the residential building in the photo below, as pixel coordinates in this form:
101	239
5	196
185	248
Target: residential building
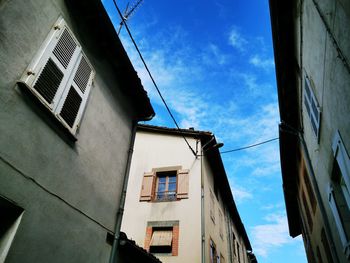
312	54
69	102
179	204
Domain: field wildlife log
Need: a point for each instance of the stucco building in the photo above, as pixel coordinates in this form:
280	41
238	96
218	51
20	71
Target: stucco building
179	204
312	54
69	102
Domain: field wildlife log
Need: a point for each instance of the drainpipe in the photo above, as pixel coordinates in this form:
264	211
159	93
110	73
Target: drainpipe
114	258
202	199
202	210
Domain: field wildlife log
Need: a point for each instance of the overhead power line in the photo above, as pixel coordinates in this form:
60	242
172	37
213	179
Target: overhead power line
150	75
250	146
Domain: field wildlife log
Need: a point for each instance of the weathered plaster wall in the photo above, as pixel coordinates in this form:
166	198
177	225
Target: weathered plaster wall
331	82
87	174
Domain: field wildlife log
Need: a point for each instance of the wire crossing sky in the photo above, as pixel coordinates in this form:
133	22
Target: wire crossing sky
213	63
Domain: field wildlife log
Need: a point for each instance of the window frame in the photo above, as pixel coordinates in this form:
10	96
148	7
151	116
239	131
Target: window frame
167	175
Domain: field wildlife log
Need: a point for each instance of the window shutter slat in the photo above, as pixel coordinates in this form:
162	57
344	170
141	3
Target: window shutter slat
65	48
49	81
71	107
83	74
182	187
147	187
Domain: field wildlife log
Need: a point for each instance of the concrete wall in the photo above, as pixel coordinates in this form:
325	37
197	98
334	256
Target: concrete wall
69	191
331	81
157	151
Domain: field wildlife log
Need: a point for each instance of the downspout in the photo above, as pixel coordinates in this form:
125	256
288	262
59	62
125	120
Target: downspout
202	200
114	255
202	210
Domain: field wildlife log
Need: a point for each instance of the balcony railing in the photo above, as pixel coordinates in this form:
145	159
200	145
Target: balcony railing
165	196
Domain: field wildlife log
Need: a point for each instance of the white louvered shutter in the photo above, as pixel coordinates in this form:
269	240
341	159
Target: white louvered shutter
61	76
74	98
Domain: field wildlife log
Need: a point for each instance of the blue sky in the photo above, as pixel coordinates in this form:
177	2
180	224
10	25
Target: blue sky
213	62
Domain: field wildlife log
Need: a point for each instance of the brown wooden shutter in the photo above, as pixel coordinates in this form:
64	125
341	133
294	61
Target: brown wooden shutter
147	187
182	183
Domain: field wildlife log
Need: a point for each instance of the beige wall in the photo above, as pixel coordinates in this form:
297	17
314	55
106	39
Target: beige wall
212	228
156	151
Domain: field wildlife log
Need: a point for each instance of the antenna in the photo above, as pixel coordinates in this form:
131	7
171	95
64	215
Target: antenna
128	13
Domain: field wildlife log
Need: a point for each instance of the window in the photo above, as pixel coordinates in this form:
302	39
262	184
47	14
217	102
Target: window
212	207
234	243
312	107
162	237
214	258
10	219
326	247
165	185
221	223
222	259
338	192
60	76
310	192
307	211
161	241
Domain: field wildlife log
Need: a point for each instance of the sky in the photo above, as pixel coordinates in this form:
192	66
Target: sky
213	62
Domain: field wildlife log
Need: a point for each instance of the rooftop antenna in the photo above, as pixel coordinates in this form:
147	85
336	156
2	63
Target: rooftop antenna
129	12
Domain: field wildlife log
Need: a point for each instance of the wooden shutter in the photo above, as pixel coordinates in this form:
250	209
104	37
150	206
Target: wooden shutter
147	187
162	238
182	183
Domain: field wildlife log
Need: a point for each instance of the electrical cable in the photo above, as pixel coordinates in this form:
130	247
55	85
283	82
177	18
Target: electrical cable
250	146
150	75
162	98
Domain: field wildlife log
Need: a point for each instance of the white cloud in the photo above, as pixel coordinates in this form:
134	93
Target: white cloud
259	62
216	56
270	207
237	40
271	235
240	193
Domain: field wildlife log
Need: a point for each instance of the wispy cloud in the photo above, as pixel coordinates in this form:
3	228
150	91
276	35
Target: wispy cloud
240	193
270	207
215	56
271	235
237	40
263	63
